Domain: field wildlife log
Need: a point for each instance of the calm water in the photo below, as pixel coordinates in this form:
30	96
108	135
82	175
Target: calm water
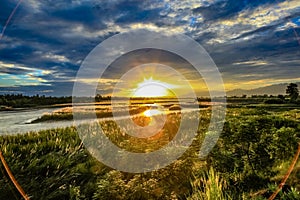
14	122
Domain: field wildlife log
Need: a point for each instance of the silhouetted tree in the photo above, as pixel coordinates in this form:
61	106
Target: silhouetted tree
280	96
292	91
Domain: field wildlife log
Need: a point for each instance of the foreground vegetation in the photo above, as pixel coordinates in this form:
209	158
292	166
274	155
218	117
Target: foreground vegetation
248	162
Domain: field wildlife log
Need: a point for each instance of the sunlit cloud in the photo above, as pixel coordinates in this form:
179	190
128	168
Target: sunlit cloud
18	75
59	58
253	63
101	81
231	84
252	19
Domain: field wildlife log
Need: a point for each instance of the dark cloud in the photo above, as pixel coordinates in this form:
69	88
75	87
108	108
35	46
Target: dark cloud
16	54
90	16
144	56
55	89
229	8
6	9
14	71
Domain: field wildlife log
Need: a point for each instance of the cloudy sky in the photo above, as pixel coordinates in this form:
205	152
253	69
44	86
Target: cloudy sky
254	43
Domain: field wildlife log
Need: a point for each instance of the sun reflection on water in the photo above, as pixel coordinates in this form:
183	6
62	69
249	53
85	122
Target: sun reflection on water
151	112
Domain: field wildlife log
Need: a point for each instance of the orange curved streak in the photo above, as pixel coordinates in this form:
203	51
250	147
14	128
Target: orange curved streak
287	174
12	178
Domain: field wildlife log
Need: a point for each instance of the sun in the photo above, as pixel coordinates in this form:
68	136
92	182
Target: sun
152	88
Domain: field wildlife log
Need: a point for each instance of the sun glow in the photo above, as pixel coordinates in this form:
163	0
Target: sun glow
151	112
153	88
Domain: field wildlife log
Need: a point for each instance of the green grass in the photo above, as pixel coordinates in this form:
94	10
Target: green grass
245	163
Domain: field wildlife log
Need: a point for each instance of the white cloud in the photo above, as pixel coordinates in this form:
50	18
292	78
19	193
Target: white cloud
287	25
26	75
250	20
253	63
263	15
56	57
102	81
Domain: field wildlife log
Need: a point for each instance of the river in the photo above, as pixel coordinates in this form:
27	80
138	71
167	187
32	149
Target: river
16	122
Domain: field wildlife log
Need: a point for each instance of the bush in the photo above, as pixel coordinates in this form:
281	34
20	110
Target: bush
252	147
274	101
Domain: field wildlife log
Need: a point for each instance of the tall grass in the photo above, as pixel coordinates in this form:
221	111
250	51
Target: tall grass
210	186
54	164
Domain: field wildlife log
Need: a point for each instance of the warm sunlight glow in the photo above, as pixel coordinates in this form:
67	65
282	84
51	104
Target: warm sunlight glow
150	113
152	88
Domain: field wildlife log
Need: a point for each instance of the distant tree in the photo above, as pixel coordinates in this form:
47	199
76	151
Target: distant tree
280	96
98	97
244	96
292	91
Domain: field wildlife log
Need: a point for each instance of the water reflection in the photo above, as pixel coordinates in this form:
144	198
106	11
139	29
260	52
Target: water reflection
13	122
152	112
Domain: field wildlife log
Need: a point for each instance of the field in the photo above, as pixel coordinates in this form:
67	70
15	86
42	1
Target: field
251	157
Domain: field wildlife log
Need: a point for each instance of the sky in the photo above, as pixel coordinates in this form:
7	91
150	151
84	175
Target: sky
254	43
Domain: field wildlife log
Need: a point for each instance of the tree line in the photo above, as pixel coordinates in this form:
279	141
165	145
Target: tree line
23	101
20	100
